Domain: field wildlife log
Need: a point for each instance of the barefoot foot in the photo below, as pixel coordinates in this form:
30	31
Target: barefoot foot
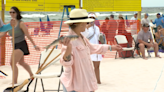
158	56
145	58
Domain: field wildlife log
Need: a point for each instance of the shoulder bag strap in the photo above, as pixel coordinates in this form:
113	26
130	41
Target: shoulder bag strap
92	34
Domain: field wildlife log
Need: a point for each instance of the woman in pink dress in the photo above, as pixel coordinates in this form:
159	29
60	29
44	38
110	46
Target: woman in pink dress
79	75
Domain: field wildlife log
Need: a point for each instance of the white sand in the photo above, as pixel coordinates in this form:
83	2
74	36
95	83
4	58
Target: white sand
120	75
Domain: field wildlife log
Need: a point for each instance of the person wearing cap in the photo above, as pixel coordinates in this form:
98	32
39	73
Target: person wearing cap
158	21
7	27
97	23
86	32
79	75
135	16
142	41
93	36
133	23
145	19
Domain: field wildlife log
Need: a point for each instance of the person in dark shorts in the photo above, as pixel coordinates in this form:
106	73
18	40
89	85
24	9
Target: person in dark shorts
142	41
21	47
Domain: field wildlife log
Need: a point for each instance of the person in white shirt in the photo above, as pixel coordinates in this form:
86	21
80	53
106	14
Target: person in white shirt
85	33
92	32
134	17
145	19
134	24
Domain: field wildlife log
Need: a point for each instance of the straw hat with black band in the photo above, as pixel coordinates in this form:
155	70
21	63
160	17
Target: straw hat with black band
77	16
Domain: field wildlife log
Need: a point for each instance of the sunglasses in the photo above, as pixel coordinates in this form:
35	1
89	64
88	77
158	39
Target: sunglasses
92	17
12	12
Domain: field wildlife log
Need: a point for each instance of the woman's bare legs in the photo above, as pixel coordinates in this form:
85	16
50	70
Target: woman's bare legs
97	70
26	66
17	57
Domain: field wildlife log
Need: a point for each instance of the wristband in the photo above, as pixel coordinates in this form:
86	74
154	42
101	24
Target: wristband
110	48
35	46
66	60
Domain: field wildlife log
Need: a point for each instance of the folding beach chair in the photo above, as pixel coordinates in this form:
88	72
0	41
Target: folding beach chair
121	39
42	75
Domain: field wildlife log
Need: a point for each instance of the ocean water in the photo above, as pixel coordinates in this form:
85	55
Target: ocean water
56	16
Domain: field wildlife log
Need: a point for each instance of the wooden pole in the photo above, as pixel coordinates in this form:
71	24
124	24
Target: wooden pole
13	54
3	42
139	24
3	49
139	15
80	4
3	11
139	21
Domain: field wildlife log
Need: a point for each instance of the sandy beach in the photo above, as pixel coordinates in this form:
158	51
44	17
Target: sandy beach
117	75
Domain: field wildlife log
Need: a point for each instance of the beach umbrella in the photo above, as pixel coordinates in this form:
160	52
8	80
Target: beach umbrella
42	25
48	19
126	17
40	19
49	24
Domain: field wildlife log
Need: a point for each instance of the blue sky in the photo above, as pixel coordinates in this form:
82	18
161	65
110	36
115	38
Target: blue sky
152	3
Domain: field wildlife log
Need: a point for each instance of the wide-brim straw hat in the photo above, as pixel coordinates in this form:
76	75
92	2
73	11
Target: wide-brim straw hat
78	15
